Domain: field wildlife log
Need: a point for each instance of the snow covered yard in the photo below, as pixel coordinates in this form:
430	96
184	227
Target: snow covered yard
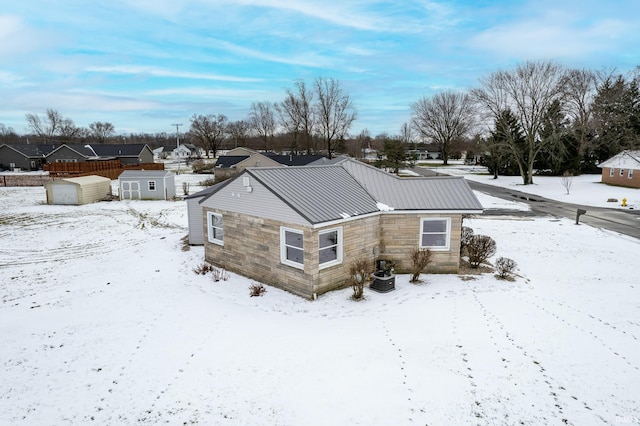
103	321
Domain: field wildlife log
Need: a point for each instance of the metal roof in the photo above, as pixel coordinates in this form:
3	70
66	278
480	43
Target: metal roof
319	194
146	173
351	188
623	160
409	193
205	193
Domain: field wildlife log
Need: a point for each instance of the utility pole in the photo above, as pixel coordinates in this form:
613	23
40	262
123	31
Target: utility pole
178	144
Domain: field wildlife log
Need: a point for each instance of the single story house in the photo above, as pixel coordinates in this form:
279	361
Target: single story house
29	157
128	154
300	228
147	185
238	159
622	169
79	190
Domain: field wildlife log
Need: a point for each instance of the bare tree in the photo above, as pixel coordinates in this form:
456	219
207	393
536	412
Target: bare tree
297	116
406	133
578	88
443	118
262	120
52	125
238	130
334	110
101	131
209	130
528	92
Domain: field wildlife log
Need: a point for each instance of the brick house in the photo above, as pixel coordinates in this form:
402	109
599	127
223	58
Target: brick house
299	228
622	169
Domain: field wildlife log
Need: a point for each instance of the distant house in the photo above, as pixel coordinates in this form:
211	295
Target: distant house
186	151
22	157
128	154
238	159
79	190
147	185
299	228
622	169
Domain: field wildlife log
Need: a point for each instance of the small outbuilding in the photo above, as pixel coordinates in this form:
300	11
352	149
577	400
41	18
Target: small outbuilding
78	190
147	185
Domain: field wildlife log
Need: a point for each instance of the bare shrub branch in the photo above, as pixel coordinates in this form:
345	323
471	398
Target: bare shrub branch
420	259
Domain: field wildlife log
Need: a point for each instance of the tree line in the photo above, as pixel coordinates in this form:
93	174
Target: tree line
539	116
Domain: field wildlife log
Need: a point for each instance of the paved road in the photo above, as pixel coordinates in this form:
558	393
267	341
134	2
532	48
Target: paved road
626	222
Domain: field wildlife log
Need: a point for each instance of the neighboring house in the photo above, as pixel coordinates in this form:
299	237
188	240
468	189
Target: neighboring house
622	169
238	159
147	185
79	190
129	154
186	151
28	157
71	153
300	228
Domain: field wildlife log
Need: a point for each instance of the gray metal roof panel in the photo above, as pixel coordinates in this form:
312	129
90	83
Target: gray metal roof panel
422	193
319	194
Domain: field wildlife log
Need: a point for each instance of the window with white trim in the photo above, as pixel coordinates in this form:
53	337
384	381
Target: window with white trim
292	247
215	229
152	185
330	247
611	172
435	233
630	174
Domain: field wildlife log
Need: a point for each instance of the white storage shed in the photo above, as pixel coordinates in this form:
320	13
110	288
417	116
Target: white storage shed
79	190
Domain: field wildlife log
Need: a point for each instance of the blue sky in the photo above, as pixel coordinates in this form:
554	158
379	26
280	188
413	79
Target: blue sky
145	64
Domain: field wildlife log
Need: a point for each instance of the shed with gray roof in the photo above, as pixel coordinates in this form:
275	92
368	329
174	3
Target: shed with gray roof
147	185
299	228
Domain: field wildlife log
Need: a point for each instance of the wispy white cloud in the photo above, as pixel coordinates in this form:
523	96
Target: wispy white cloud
160	72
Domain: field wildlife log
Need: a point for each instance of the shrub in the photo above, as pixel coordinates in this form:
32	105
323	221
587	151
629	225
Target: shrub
505	267
360	271
465	237
480	248
203	269
420	259
185	188
200	166
208	182
256	289
220	274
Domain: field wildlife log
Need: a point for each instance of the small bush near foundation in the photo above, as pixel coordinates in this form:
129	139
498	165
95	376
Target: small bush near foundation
465	237
219	274
420	259
479	249
256	289
203	269
360	271
505	267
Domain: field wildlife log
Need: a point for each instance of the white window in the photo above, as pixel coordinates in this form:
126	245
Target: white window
330	247
435	233
630	174
611	172
621	172
292	247
152	185
215	230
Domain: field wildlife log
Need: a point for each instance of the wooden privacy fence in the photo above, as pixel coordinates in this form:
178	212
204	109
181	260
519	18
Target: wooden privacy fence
110	169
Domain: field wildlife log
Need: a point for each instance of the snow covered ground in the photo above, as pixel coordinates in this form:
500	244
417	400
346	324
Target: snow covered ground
103	321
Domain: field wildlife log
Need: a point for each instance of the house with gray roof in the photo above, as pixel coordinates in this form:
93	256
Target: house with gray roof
300	228
23	156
